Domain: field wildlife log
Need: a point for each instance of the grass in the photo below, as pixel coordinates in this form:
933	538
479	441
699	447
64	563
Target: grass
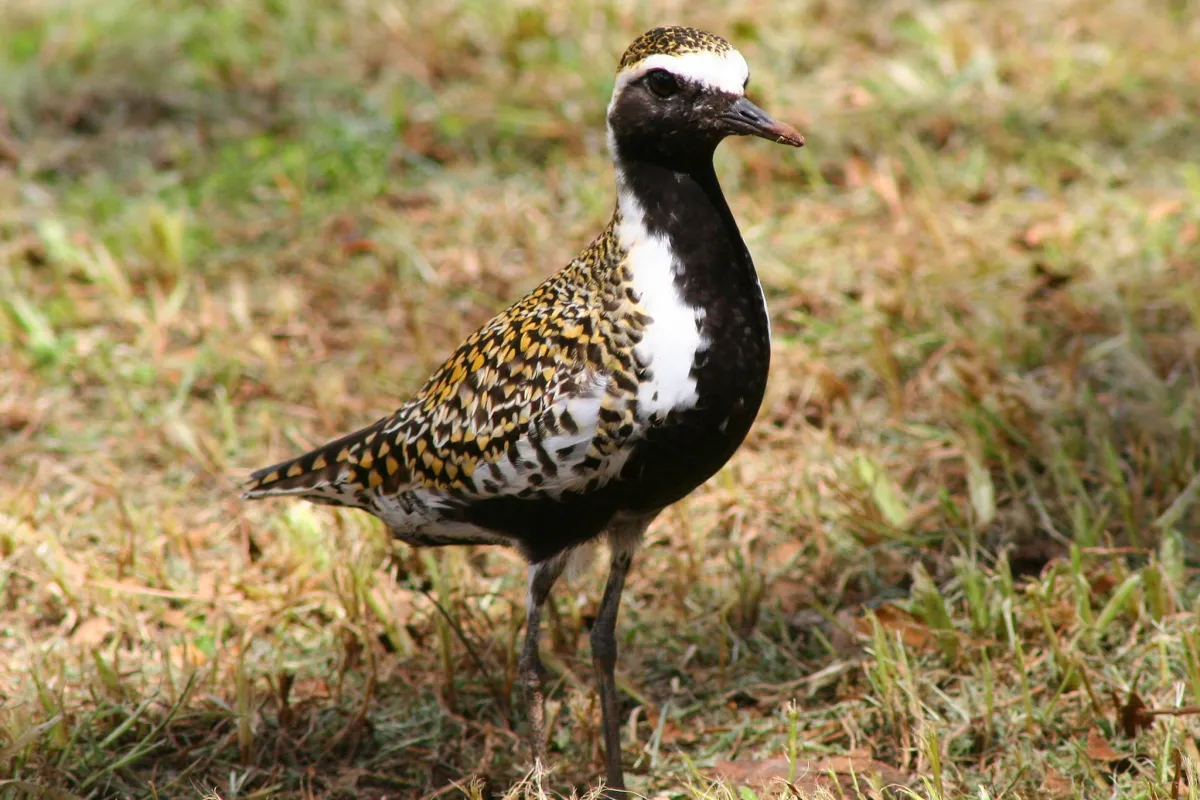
958	556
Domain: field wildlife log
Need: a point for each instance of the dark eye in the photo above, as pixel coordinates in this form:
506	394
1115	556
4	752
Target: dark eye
661	82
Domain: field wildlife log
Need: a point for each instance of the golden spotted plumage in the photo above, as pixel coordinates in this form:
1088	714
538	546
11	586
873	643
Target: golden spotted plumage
672	41
506	377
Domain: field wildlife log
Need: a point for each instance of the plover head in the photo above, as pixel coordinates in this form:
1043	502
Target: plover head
678	93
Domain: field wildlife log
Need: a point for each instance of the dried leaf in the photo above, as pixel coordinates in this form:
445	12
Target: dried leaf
757	772
173	618
1056	785
91	632
893	619
671	732
1103	583
1098	748
792	594
1134	715
834	773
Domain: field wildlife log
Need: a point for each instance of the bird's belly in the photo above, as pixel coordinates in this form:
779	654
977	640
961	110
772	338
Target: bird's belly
689	445
426	518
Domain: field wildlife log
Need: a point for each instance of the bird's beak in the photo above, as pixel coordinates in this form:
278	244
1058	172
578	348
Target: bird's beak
743	118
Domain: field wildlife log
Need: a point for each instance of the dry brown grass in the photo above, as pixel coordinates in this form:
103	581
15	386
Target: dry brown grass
962	535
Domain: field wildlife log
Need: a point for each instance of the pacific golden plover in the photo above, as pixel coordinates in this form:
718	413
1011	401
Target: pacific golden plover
609	392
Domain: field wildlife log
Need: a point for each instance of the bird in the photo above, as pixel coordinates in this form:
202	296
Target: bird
609	392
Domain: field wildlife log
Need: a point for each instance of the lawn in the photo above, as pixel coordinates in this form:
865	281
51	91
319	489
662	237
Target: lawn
957	557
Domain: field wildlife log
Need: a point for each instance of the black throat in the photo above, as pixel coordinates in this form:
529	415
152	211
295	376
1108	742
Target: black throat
684	203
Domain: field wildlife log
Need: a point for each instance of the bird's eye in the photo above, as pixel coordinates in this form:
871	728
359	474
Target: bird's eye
662	83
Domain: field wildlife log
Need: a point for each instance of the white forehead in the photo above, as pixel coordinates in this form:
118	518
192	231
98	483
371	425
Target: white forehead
725	71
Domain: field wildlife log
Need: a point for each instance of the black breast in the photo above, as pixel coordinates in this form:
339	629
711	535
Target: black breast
731	373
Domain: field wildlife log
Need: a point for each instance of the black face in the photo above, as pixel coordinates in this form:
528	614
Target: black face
667	119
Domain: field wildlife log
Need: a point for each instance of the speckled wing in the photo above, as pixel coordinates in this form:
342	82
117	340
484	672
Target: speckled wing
538	401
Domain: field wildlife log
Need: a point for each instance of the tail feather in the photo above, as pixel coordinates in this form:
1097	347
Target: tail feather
316	474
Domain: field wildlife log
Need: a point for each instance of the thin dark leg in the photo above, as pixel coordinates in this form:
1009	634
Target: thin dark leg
541	577
604	658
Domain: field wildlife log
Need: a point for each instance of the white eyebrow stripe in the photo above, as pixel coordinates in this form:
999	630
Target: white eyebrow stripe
726	71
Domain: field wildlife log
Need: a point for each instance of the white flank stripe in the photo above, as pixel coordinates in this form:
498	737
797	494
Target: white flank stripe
423	512
766	311
670	343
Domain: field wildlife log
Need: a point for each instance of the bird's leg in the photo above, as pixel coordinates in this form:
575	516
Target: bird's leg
604	658
541	578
